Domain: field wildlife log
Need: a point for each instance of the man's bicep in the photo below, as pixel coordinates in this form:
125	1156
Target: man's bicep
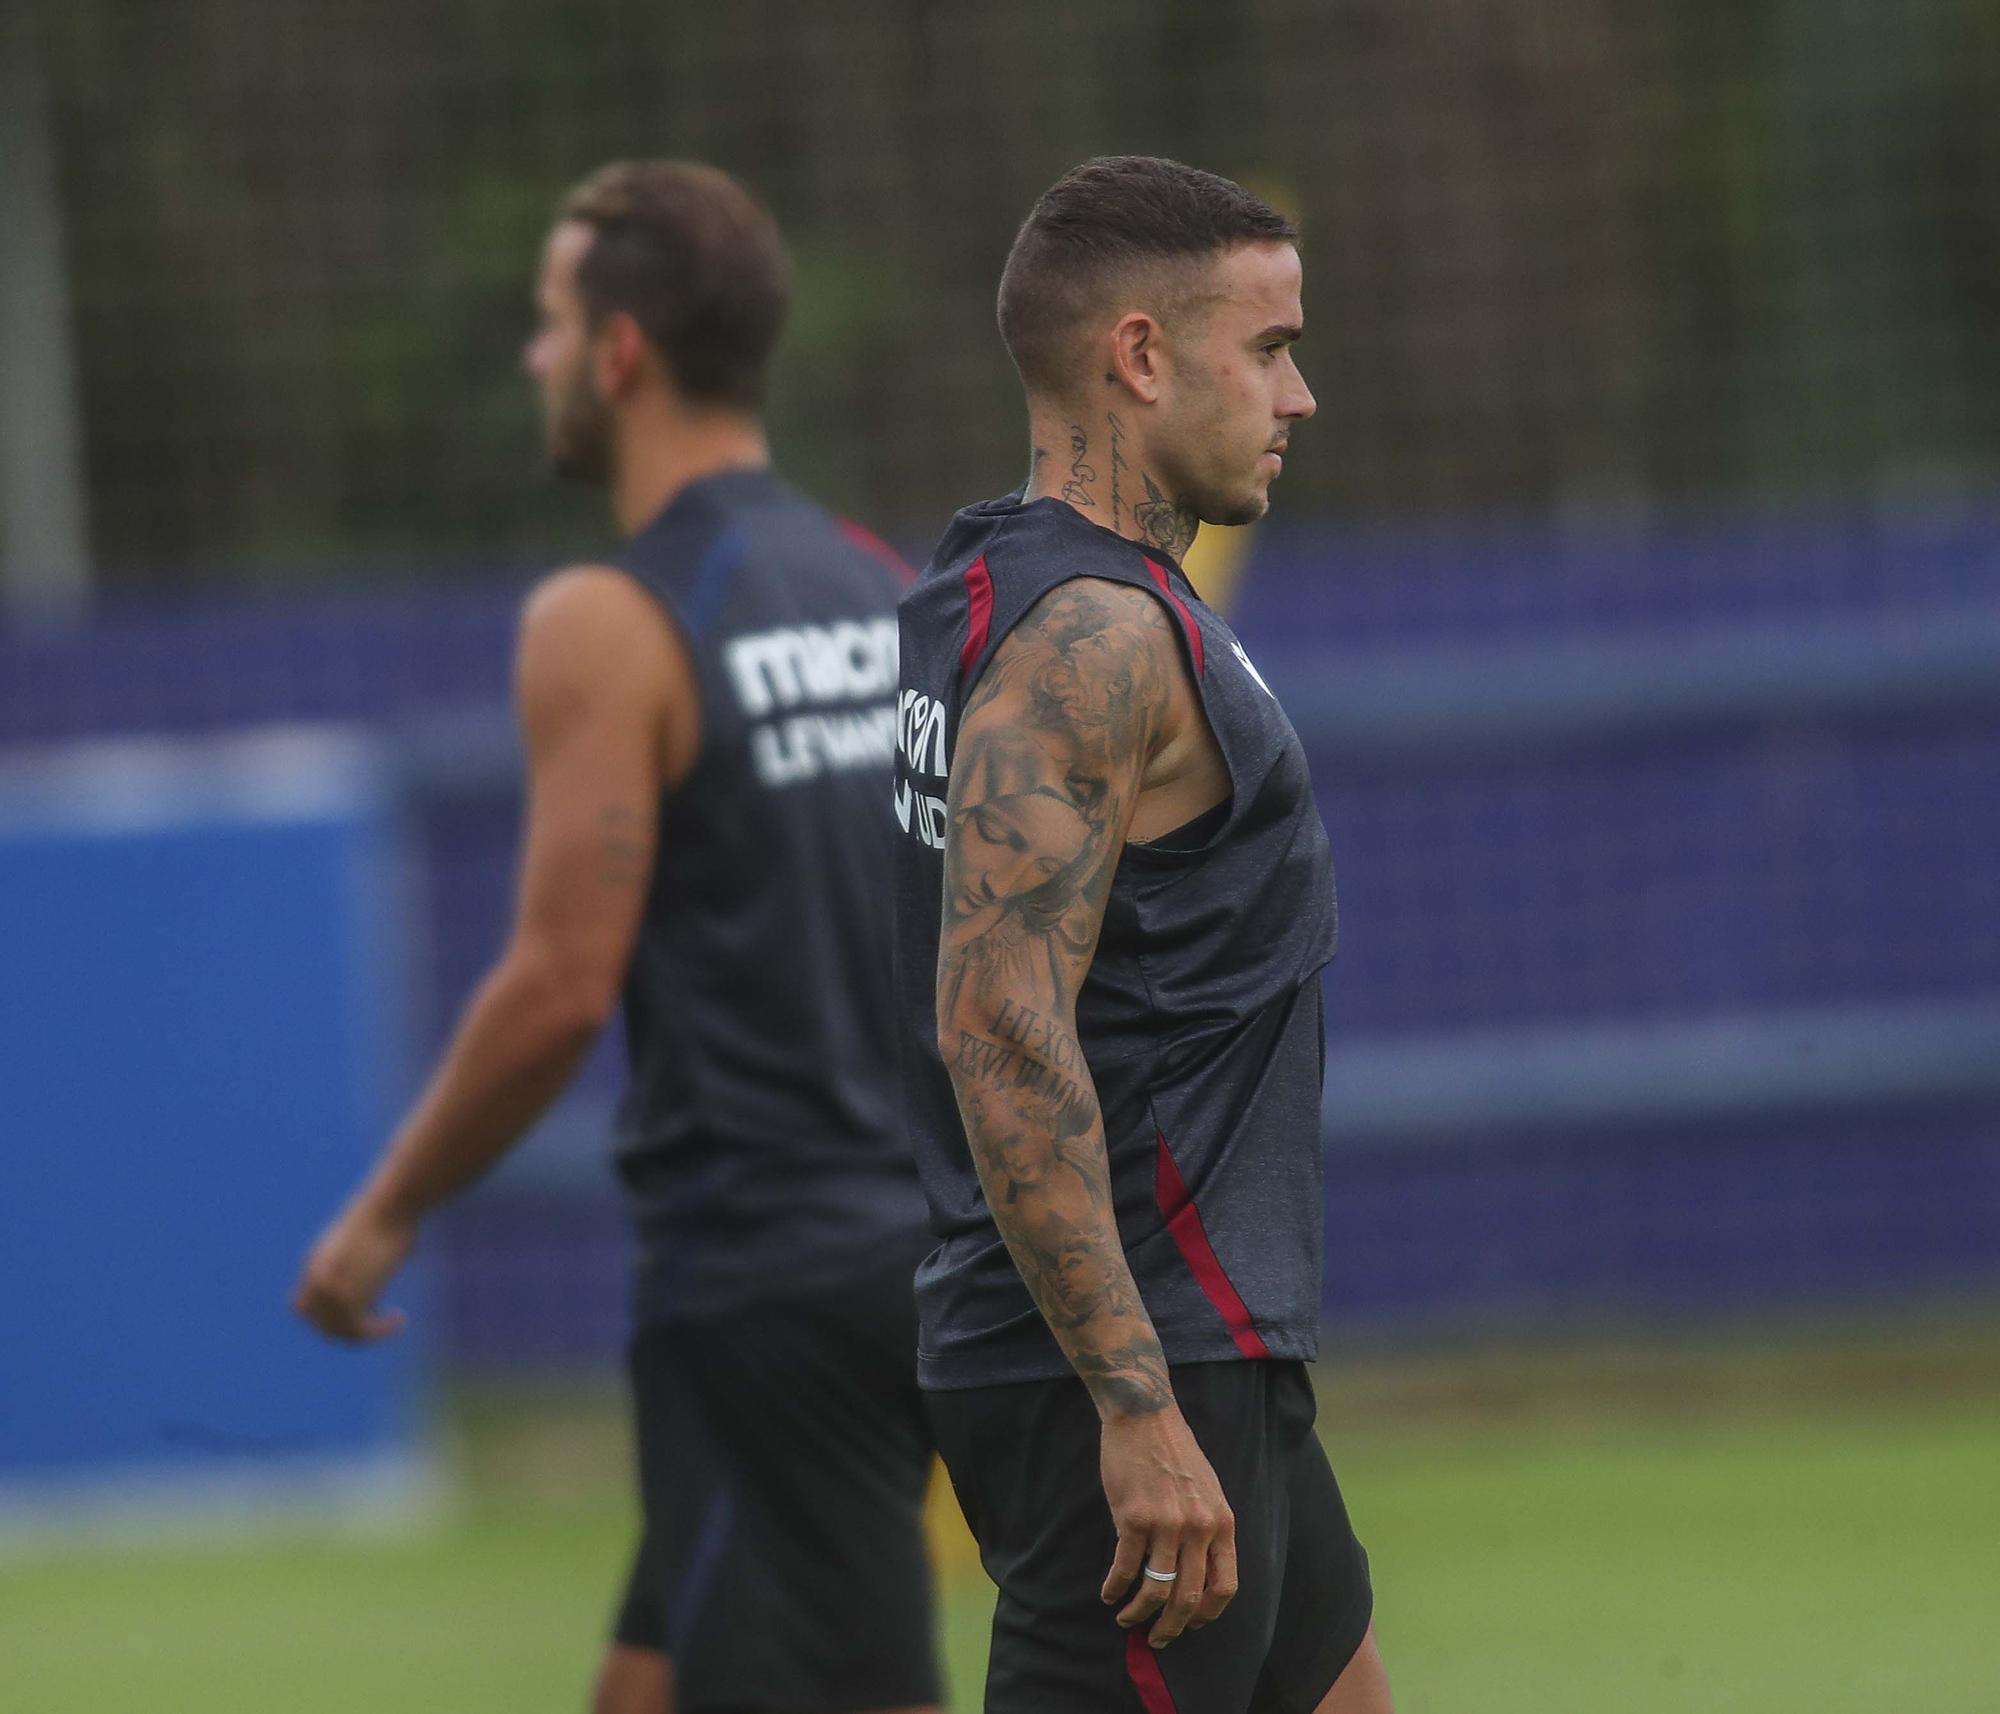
592	831
589	688
1046	771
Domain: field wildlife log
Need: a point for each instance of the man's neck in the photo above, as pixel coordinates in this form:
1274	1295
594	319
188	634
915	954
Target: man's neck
659	457
1092	461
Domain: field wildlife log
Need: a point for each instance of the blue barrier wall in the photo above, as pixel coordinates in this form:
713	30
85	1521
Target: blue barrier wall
1670	950
202	1002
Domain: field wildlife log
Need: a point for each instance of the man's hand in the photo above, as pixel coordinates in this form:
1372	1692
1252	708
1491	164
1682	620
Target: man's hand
1171	1517
346	1272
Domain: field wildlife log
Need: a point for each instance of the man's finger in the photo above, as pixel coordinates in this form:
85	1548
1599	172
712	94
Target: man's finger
382	1324
1183	1595
1125	1565
1221	1588
338	1317
313	1305
1162	1554
332	1317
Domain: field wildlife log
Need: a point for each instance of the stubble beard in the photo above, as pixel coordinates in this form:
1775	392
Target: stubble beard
1243	503
1206	487
1246	509
580	436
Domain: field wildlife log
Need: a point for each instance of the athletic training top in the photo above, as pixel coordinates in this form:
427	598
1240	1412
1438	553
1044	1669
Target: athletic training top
1200	1017
759	1137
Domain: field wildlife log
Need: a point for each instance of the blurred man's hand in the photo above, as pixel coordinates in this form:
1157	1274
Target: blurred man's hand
346	1272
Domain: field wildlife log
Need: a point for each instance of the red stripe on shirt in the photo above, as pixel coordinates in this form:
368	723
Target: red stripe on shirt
1187	619
1191	1237
979	613
1142	1665
869	542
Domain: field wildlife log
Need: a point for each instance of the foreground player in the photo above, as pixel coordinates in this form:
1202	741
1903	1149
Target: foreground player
1114	903
708	728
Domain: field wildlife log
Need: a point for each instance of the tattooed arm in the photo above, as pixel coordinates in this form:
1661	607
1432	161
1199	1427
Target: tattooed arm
606	704
1052	751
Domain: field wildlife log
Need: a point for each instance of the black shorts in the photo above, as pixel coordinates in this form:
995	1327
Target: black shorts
783	1459
1024	1460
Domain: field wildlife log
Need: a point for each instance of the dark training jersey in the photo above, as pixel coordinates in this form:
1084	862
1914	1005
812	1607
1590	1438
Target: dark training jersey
759	1138
1199	1018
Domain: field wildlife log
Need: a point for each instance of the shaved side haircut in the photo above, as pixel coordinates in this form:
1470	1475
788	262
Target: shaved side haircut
1118	224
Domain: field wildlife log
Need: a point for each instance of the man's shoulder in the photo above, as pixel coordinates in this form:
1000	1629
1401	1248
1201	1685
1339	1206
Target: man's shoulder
583	596
1100	625
594	624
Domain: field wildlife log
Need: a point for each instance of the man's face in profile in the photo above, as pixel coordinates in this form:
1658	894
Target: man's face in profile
1237	390
576	423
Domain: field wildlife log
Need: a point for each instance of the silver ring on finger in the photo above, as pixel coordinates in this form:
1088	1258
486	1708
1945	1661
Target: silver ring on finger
1160	1576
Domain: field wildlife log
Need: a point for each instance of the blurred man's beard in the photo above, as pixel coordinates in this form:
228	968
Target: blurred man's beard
580	437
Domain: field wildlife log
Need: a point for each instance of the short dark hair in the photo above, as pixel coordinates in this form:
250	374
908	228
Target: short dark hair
696	261
1101	223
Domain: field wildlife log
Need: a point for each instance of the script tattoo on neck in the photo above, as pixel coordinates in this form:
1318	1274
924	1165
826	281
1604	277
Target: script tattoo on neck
1163	523
1118	464
1077	489
1051	748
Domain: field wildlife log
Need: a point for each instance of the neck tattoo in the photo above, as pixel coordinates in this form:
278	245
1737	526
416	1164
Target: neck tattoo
1163	523
1118	464
1077	489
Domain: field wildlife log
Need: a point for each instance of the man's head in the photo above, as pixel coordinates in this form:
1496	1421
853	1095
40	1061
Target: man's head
1169	296
657	274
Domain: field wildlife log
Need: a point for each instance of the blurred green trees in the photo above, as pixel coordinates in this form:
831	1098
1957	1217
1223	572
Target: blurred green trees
1562	255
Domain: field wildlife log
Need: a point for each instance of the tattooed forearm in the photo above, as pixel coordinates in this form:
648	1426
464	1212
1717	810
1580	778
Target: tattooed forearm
1065	1101
1165	524
1130	1381
1050	753
1038	1145
1077	489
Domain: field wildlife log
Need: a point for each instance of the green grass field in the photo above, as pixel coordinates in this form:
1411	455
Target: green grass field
1740	1531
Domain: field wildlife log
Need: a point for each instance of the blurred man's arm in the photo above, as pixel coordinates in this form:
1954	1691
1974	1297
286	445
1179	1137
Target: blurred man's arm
607	707
1052	750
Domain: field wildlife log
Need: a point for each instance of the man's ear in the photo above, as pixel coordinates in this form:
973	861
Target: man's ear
1138	356
617	355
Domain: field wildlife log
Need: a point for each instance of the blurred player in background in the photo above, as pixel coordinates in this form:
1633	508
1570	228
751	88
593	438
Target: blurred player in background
708	722
1114	903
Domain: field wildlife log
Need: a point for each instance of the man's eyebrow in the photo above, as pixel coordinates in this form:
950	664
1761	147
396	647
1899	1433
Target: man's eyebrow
1288	331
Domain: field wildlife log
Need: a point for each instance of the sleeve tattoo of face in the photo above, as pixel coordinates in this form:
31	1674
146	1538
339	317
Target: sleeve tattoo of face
1051	748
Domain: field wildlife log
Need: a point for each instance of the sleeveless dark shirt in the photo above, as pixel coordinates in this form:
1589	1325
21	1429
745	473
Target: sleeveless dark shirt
1200	1017
759	1137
